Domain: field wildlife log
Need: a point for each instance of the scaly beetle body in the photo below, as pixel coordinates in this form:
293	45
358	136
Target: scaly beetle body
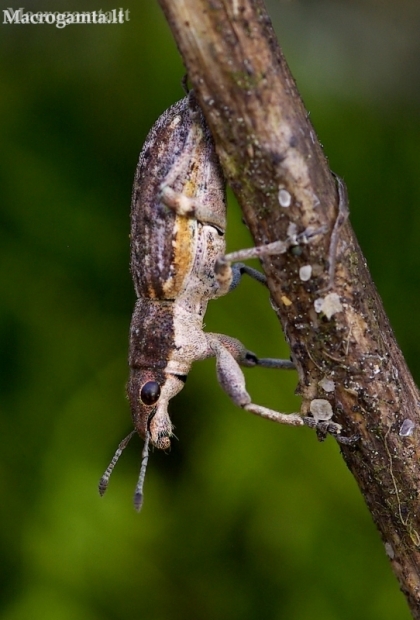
172	262
178	263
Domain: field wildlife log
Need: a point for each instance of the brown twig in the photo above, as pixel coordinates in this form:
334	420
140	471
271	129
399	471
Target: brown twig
274	163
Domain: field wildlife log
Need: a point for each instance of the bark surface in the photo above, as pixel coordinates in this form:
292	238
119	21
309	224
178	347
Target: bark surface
274	163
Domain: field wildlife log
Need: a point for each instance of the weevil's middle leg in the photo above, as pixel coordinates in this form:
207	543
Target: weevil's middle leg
228	276
238	269
243	356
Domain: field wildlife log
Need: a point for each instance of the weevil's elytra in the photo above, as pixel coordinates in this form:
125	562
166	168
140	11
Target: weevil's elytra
179	155
178	263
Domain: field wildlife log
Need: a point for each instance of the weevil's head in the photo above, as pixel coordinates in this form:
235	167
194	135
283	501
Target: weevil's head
149	393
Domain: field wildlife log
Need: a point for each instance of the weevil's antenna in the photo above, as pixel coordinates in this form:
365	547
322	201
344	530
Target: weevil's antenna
103	482
138	495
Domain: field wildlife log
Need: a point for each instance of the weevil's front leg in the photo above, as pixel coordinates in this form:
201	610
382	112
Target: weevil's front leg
232	380
229	354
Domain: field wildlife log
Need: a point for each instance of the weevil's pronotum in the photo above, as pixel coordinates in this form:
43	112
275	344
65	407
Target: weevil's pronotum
178	264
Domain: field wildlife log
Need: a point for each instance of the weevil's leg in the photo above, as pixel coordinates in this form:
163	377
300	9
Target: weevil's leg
270	362
232	380
223	267
324	428
189	207
343	214
247	358
227	276
229	353
238	269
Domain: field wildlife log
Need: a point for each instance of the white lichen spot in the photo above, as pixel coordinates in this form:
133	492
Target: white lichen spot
318	303
389	550
321	409
327	385
407	428
305	273
328	305
285	198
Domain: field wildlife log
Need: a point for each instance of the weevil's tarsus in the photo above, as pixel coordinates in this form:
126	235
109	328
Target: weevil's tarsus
269	362
138	494
324	428
347	441
103	483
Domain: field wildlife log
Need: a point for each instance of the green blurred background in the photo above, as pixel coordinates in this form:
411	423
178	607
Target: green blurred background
242	519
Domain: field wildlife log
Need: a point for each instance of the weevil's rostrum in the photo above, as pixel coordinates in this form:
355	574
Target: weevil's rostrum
178	264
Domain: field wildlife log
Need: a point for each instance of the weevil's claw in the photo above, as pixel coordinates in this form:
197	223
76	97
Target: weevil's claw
348	441
324	428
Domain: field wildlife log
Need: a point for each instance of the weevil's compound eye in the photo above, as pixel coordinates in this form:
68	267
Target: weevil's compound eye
150	392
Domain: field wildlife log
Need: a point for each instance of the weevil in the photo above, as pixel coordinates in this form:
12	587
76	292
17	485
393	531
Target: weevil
178	264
